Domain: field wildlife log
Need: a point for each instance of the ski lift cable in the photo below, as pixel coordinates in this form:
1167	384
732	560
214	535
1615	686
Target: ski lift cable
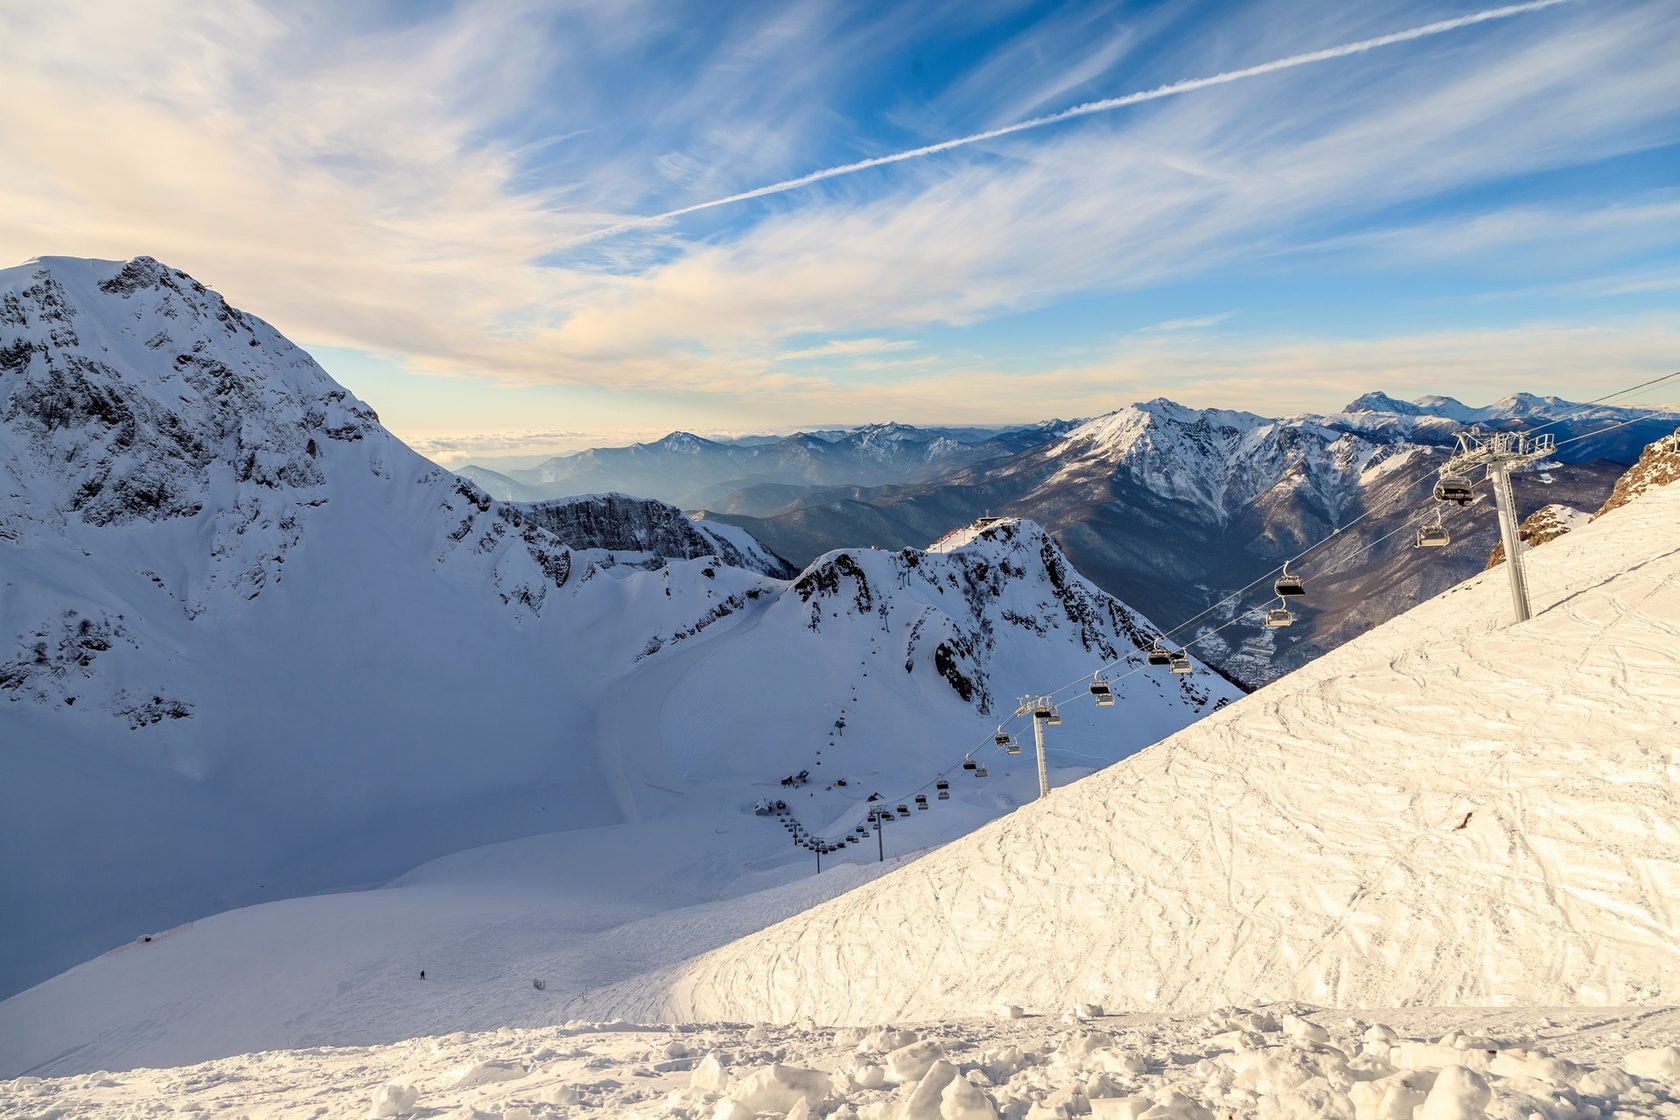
1339	530
1341	563
1602	431
1407	524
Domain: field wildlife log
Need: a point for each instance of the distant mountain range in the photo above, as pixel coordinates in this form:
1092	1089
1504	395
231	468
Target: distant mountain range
756	475
1175	508
1163	505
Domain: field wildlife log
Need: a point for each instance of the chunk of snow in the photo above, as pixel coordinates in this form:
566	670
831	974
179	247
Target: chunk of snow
709	1075
1395	1097
1458	1094
961	1100
393	1099
1660	1063
924	1100
731	1109
777	1088
911	1063
485	1073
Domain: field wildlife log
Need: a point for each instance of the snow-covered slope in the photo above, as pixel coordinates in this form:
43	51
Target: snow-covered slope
1449	810
255	647
873	671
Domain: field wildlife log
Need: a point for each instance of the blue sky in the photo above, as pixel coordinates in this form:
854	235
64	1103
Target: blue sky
417	193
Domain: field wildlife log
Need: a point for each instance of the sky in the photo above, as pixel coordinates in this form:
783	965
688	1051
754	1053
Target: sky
515	227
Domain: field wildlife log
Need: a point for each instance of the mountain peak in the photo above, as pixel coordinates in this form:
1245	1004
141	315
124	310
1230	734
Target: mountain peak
1381	402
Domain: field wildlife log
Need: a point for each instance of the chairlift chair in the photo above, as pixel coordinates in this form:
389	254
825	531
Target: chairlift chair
943	789
1158	655
980	773
1014	747
1181	662
1042	709
1055	719
1279	616
1454	488
1101	693
1287	584
904	810
921	801
969	764
1001	738
1433	535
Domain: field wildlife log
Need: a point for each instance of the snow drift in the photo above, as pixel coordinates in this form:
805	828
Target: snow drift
1451	809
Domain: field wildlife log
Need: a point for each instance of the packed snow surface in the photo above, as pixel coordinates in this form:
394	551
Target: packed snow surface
1281	1062
1451	810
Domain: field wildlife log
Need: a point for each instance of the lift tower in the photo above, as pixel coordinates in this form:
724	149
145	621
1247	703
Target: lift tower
1501	453
1039	709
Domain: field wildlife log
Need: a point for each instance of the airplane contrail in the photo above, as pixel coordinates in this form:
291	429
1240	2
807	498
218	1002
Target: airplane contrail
1107	105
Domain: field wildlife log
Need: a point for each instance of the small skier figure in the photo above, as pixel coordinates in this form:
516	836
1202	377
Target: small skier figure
422	974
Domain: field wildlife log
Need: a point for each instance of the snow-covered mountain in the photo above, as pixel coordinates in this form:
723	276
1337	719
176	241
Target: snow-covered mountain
255	647
1450	810
1175	508
1590	431
760	475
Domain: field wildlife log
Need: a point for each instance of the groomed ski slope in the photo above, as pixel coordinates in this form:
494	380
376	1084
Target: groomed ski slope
1451	810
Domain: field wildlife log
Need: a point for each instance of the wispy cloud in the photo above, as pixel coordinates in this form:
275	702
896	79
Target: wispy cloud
1195	324
847	348
1107	105
405	188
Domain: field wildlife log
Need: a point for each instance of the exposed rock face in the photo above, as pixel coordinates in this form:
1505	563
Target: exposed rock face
620	523
1658	465
1546	523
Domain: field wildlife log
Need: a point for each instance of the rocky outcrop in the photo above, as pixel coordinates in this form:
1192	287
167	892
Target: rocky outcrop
1658	465
1547	523
620	523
